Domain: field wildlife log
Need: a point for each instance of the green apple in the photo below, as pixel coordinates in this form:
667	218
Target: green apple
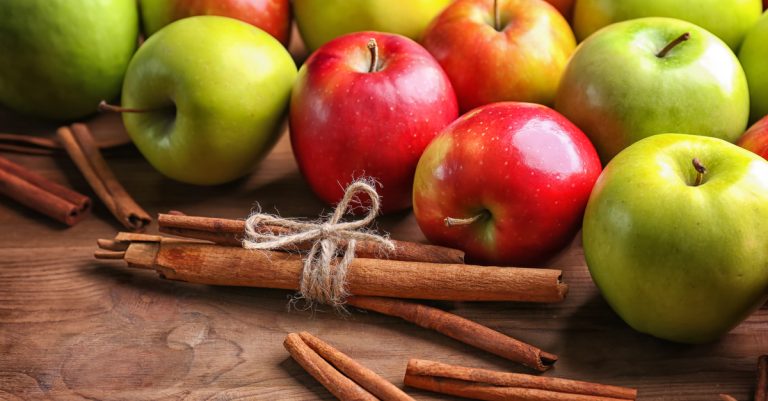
59	58
754	58
728	19
319	21
648	76
212	92
679	254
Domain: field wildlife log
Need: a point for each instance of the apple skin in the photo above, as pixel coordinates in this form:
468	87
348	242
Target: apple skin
697	88
319	21
756	138
566	7
680	262
524	167
754	60
219	89
727	19
272	16
347	123
522	62
59	58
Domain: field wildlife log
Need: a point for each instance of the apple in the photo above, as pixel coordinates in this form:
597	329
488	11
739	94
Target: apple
506	50
754	60
209	95
367	104
273	16
648	76
507	183
674	236
319	21
59	58
756	138
566	7
727	19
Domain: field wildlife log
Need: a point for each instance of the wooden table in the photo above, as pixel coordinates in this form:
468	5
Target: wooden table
73	328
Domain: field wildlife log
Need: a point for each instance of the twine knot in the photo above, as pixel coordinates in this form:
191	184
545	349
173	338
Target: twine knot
323	277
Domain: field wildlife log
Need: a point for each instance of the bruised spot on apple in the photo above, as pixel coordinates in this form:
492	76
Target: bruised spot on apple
507	183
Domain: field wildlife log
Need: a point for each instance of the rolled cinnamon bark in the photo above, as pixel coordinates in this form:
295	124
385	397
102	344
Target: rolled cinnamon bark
761	386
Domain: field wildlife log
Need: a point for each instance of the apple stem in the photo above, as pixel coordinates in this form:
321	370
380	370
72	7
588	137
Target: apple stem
700	171
104	106
680	39
452	221
496	16
374	48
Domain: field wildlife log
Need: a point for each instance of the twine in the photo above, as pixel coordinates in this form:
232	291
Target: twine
323	277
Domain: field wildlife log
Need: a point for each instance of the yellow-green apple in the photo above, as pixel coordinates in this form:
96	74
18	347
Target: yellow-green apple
367	104
649	76
507	183
209	95
754	59
756	138
501	50
58	58
319	21
674	236
728	19
272	16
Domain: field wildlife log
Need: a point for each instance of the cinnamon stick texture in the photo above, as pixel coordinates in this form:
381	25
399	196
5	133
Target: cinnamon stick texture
459	328
490	385
79	144
28	144
230	232
338	384
45	196
220	265
363	376
761	387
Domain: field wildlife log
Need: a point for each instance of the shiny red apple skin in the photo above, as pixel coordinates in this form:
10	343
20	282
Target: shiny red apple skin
524	166
346	122
272	16
756	138
523	61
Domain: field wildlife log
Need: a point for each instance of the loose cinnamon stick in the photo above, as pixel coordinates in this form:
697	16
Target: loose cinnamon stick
230	232
45	196
220	265
491	385
761	388
339	385
363	376
28	144
81	147
460	329
726	397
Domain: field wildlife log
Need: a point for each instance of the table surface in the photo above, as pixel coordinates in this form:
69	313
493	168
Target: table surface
74	328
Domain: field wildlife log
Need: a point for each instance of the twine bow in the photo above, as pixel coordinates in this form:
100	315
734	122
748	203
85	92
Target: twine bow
322	280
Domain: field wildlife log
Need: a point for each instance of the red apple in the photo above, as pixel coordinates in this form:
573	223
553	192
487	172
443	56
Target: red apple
272	16
756	138
566	7
507	183
501	50
367	104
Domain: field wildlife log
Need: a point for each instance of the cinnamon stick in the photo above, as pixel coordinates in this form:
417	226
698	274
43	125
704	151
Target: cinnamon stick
459	328
761	388
79	144
339	385
28	144
490	385
363	376
219	265
230	233
45	196
726	397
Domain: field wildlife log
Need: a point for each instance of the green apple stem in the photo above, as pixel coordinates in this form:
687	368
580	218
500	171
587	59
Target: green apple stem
680	39
700	171
104	106
374	48
453	221
496	15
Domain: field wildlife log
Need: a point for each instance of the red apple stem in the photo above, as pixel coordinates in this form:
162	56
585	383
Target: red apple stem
700	171
496	15
104	106
680	39
374	48
453	221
